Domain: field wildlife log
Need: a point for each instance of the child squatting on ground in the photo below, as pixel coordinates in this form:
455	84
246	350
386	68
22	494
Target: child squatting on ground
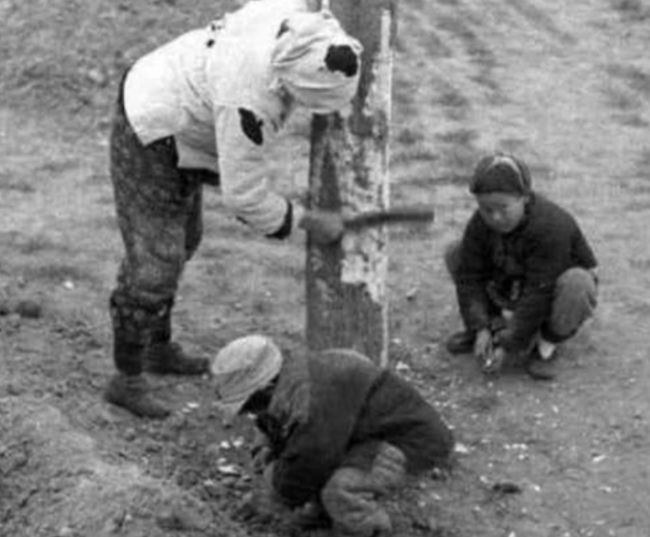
337	432
200	110
524	273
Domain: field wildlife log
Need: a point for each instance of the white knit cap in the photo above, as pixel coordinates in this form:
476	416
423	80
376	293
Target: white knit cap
298	61
243	367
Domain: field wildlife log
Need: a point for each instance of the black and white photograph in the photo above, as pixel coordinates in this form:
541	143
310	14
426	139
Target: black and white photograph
324	268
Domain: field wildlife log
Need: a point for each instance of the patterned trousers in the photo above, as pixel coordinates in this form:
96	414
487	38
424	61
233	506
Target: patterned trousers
158	209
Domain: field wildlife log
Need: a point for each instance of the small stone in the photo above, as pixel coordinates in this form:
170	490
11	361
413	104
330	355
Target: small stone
229	469
5	307
229	481
152	447
213	489
66	531
29	309
14	390
180	518
96	76
213	451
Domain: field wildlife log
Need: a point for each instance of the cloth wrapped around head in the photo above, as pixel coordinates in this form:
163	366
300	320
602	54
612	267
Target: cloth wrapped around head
243	367
316	61
501	173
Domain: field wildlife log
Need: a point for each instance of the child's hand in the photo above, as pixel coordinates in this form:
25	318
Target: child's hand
503	337
483	344
493	362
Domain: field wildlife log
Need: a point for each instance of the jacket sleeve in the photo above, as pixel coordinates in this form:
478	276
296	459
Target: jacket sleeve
396	413
243	168
311	455
471	278
582	251
544	262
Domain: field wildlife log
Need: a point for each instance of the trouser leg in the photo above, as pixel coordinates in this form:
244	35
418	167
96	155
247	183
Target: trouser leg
155	204
351	496
575	299
159	215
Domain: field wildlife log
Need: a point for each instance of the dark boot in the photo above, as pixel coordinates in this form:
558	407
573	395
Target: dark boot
461	342
169	358
166	357
541	369
128	388
132	393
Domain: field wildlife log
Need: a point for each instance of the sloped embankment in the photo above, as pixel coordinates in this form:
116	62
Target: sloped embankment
55	482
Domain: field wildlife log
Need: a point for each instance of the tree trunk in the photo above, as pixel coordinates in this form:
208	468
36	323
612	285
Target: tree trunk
346	283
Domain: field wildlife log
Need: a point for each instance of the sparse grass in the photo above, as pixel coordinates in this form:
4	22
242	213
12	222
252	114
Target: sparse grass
638	206
463	137
452	98
485	79
632	120
74	63
37	244
636	79
428	181
474	46
435	45
57	273
642	265
418	151
643	164
408	136
99	177
404	89
512	145
632	10
17	186
461	157
622	99
108	221
541	19
451	178
639	186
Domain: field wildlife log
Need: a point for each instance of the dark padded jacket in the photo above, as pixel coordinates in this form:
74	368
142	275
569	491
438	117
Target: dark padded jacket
353	404
521	266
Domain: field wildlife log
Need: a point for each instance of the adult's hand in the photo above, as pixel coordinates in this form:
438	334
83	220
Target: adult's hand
261	458
325	227
261	452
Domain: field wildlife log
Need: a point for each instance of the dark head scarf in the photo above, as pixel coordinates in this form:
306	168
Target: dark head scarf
500	173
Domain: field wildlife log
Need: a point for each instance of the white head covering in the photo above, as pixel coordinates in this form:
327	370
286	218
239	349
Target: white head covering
241	368
299	61
254	56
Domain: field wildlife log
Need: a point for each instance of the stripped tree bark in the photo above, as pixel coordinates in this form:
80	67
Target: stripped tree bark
346	283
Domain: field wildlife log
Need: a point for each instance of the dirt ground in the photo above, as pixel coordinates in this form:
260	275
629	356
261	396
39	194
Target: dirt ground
564	85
